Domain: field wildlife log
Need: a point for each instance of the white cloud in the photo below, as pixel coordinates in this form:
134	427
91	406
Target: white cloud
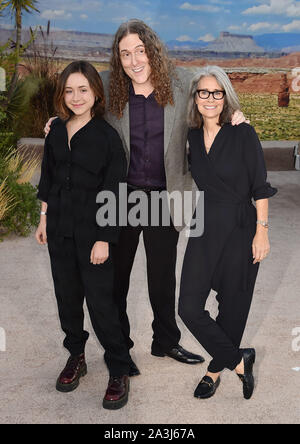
78	5
109	11
266	26
290	8
207	38
56	14
235	28
184	38
294	10
120	20
201	8
221	2
293	26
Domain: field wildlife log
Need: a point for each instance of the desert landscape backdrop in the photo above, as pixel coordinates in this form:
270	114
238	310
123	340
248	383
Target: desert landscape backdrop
259	68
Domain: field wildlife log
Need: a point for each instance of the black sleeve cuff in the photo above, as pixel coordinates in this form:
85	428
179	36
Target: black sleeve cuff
264	192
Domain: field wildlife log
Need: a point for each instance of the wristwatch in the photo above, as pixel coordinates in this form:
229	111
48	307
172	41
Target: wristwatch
264	223
43	213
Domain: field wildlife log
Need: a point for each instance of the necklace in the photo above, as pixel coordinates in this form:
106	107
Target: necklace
209	139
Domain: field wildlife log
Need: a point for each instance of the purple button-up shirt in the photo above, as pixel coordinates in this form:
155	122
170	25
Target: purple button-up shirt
146	168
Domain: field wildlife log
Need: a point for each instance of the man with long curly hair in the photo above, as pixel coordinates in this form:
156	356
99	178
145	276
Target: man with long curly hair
147	105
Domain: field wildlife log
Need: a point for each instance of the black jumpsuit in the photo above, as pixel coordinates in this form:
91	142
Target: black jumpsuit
221	259
70	181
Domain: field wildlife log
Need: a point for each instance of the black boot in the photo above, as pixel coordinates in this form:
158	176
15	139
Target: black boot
69	378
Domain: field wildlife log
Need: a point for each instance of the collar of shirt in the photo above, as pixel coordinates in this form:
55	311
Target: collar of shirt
135	97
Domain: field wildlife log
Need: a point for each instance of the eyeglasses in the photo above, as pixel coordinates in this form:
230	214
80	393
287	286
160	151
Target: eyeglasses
205	94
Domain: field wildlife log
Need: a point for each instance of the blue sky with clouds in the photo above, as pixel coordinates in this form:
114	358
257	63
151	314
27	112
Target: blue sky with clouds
172	19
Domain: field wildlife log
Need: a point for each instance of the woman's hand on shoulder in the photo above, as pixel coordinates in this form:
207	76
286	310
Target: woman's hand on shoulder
99	253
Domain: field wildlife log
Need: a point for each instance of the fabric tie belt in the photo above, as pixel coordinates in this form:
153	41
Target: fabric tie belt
244	216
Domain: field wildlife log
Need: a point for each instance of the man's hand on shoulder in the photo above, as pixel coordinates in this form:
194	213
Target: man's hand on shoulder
48	125
238	118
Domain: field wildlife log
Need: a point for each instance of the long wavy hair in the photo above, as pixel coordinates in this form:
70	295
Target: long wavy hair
162	69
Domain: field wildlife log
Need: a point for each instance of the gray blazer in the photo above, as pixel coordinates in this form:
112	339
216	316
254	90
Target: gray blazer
175	136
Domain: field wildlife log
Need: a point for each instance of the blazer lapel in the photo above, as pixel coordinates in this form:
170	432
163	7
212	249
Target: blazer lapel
169	116
126	129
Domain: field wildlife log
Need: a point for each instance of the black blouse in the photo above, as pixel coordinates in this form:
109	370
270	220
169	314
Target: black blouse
72	178
234	164
231	175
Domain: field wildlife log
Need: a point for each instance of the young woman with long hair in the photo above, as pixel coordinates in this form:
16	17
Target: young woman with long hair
83	156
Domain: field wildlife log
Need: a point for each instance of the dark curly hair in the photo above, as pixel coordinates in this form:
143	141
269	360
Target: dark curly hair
162	69
95	82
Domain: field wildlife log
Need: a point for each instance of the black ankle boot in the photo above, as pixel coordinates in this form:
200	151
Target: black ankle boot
69	378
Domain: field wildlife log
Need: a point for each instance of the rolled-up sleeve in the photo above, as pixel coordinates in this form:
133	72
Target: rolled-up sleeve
260	188
46	173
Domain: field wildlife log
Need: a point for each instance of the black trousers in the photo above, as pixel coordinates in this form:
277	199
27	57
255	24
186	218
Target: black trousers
75	278
161	253
222	337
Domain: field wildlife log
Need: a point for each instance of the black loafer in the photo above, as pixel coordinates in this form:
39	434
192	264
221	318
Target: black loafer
180	354
247	378
206	387
133	370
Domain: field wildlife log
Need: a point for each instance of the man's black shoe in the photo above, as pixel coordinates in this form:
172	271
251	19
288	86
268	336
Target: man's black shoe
180	354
